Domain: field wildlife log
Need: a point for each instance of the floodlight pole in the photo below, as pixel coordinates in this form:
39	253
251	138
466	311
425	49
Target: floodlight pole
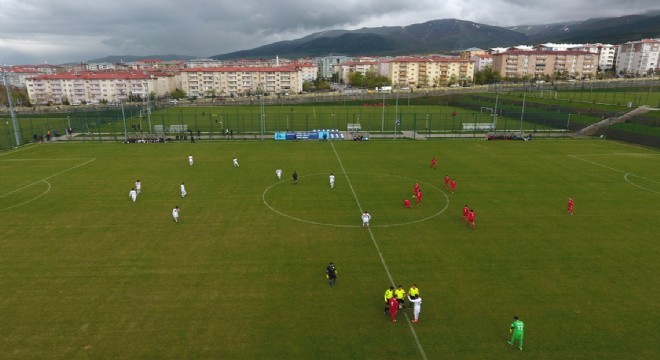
262	120
522	112
12	114
382	122
497	96
123	115
148	106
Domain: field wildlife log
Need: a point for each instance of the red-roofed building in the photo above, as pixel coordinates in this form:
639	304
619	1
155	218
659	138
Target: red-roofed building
94	87
545	63
416	71
17	75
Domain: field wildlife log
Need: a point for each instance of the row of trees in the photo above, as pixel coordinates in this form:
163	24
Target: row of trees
368	80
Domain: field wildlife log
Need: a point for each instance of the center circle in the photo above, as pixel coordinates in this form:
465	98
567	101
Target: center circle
317	190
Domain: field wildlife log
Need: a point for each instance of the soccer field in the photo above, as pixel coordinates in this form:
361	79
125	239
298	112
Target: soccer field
88	274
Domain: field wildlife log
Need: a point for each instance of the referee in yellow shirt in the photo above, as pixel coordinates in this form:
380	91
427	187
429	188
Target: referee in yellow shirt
400	294
389	293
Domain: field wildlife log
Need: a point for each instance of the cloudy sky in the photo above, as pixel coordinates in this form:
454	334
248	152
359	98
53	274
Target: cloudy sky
61	31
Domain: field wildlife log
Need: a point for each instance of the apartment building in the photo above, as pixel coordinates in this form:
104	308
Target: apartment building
91	87
606	53
17	75
102	66
427	72
308	71
345	69
203	62
239	81
542	63
471	52
638	57
326	65
481	61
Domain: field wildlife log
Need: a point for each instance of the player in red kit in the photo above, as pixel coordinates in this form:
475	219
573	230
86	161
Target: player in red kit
466	212
416	188
394	308
418	196
570	205
407	204
471	217
447	181
433	162
453	185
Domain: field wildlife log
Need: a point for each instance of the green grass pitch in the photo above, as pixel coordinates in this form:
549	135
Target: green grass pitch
87	274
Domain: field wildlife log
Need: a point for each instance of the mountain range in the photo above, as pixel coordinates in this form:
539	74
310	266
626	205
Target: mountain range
451	35
441	36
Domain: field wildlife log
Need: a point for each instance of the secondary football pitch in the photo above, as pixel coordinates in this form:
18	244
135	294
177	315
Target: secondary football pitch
88	274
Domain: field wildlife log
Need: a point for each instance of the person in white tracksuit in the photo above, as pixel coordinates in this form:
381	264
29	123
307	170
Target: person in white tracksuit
417	303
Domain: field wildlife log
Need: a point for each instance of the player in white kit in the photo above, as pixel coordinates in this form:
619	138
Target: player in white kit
332	180
133	194
183	190
138	186
417	306
190	160
235	160
175	214
366	218
278	172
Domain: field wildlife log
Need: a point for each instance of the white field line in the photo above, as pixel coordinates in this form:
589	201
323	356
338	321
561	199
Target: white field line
380	254
42	180
30	200
11	152
263	199
626	175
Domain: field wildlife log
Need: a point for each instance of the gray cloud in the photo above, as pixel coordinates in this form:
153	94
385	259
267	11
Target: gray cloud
34	31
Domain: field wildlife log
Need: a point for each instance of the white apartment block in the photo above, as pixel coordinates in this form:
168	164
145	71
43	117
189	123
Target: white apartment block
238	81
638	57
427	72
481	61
99	66
308	71
197	63
90	87
606	53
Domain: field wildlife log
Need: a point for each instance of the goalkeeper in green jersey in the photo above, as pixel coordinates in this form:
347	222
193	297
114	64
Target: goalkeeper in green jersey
517	331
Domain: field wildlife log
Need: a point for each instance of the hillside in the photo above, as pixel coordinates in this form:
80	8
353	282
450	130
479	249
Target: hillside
450	35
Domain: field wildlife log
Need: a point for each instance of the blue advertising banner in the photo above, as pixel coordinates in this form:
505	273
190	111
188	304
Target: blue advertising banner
302	135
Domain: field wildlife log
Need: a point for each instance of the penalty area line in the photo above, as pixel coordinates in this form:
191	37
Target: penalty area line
380	254
39	181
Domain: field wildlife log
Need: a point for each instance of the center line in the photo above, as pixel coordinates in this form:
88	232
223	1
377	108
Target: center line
380	254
